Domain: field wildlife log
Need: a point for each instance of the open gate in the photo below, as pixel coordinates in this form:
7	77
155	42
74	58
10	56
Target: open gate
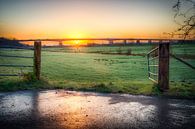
152	58
158	65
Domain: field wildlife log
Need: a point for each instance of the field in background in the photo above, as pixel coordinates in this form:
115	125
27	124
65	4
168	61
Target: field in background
104	69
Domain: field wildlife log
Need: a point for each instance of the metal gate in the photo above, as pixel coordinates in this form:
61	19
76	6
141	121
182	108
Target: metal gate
153	64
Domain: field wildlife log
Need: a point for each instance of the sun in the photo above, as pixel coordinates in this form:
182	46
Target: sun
77	42
75	36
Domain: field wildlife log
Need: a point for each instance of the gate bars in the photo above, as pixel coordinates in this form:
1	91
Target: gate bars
152	58
160	57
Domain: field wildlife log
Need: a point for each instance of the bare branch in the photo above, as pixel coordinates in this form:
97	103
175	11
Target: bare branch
184	19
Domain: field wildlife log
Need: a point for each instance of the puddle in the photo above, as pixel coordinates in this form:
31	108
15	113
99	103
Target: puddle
69	109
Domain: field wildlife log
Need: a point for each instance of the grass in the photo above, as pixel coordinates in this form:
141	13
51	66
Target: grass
87	69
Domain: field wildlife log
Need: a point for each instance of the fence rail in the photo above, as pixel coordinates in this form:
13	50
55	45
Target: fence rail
14	65
23	48
16	56
21	66
152	58
153	50
10	75
184	62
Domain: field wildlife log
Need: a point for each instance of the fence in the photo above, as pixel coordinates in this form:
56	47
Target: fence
158	62
36	59
182	64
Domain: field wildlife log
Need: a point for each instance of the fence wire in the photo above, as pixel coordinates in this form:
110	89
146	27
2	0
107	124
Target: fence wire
182	63
13	62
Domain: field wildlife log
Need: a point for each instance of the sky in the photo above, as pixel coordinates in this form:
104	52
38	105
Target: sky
36	19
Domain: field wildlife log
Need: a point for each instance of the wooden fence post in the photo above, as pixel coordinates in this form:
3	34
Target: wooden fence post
37	59
163	71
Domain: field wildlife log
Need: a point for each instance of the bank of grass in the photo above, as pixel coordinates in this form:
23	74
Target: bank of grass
177	89
106	87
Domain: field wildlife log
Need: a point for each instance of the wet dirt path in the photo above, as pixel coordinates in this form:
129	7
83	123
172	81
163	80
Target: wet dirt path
59	109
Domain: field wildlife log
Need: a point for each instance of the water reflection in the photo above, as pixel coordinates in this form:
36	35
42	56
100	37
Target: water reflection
63	109
88	110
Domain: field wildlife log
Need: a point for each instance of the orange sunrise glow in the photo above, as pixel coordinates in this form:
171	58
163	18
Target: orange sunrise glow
86	19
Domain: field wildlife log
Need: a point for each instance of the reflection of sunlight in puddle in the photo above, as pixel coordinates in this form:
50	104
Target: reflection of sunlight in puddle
66	110
81	111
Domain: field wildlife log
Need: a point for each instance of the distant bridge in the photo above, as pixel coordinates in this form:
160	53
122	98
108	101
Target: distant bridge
111	40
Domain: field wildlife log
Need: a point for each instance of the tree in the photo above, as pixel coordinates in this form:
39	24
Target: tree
185	18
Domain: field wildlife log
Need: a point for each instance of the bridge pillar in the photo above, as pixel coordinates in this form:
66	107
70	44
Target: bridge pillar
149	41
60	43
111	42
37	59
125	42
137	41
163	71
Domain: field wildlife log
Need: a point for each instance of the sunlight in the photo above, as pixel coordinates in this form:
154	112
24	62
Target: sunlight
77	42
76	35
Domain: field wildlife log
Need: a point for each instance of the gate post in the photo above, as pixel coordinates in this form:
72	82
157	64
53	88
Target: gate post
37	59
163	70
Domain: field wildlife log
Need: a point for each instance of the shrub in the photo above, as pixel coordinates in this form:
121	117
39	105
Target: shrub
29	77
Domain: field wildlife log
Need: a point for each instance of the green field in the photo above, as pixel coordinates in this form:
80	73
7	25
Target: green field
102	69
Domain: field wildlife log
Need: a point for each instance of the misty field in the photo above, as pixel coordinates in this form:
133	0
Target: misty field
102	69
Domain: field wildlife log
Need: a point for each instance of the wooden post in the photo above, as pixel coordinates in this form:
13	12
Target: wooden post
163	71
37	59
